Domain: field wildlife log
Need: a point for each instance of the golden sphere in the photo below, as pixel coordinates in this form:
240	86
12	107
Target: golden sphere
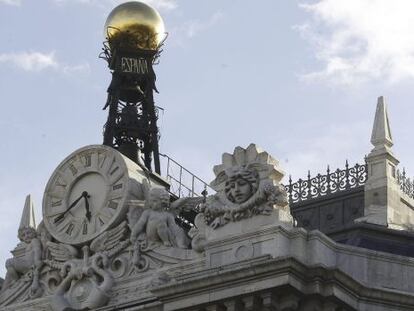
134	25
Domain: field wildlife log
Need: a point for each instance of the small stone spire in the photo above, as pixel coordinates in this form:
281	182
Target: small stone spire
382	191
28	216
381	132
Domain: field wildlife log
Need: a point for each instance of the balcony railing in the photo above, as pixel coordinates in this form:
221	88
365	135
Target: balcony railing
324	185
406	184
183	183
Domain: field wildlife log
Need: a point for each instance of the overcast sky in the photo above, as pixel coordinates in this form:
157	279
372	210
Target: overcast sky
299	78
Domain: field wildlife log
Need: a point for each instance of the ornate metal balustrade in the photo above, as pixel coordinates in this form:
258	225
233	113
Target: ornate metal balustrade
406	185
322	185
183	182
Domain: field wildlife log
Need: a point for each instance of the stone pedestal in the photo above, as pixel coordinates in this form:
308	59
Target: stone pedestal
381	189
246	239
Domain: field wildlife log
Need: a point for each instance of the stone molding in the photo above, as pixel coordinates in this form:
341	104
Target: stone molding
309	262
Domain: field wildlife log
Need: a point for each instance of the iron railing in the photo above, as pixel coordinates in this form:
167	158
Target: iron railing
406	184
183	183
323	185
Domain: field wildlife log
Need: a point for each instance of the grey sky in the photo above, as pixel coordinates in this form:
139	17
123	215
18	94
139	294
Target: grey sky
299	78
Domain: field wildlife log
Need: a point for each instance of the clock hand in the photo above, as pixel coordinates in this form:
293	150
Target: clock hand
88	212
61	216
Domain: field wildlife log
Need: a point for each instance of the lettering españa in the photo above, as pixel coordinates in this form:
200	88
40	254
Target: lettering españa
134	65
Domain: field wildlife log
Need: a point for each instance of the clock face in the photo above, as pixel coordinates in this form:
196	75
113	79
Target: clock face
86	194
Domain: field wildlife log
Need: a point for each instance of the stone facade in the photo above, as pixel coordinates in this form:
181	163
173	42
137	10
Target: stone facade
244	251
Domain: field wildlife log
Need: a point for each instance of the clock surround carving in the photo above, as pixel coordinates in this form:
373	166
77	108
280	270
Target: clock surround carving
93	179
145	239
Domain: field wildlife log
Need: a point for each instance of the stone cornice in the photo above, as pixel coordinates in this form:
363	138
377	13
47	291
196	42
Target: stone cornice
265	273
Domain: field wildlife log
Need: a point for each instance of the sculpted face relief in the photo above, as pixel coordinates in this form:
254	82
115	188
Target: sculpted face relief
241	185
27	235
247	184
240	191
159	199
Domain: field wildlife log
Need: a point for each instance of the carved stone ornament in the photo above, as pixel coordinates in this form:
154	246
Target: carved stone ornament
90	244
78	262
247	184
22	277
86	282
155	236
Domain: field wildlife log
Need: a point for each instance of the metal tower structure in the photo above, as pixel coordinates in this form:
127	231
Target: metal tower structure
131	126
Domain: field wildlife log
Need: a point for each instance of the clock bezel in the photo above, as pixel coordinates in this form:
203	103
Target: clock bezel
62	170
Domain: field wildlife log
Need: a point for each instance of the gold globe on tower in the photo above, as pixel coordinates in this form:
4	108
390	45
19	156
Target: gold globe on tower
134	25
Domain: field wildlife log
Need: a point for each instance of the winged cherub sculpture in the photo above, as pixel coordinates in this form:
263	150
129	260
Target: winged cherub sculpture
27	258
158	223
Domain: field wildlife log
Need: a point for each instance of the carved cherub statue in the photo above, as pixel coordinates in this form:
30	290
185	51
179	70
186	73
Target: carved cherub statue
32	258
28	254
157	223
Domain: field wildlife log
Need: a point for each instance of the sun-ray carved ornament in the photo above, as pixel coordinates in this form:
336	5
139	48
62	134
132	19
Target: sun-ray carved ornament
247	183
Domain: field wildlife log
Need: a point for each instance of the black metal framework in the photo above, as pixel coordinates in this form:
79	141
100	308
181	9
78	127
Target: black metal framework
132	120
322	185
406	185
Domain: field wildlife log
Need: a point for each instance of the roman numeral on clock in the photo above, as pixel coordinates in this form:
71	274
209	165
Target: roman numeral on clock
73	169
56	203
85	228
87	160
101	221
106	163
59	183
70	228
114	170
59	219
116	187
113	204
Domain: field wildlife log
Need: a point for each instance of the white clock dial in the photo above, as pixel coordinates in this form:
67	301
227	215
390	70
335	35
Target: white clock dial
87	194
